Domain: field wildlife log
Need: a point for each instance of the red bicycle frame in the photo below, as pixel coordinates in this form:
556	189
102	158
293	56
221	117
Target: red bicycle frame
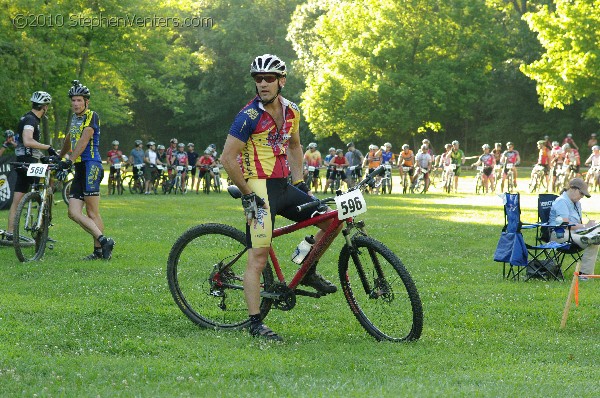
318	248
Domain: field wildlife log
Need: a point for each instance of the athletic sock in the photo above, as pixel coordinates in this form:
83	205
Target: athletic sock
255	319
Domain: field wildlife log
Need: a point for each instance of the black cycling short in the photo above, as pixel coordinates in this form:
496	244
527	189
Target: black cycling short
488	170
23	183
282	199
87	179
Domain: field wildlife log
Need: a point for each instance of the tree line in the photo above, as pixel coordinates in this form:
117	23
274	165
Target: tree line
371	71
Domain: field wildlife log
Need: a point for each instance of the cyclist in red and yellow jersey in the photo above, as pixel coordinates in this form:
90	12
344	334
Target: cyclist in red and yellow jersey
266	133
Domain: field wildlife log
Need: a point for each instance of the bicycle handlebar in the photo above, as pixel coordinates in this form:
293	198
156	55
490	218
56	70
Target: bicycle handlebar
52	161
361	185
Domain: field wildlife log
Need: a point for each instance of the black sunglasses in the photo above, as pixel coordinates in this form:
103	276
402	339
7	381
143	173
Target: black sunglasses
268	78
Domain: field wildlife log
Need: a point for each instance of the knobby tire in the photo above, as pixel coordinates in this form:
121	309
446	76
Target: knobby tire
208	298
29	238
386	303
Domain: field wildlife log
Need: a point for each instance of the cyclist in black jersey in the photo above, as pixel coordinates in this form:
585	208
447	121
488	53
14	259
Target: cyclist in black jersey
29	148
192	159
9	141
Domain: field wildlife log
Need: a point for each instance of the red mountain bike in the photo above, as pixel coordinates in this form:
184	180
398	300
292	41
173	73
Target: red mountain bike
206	267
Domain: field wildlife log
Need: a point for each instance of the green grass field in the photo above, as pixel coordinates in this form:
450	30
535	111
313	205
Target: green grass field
73	328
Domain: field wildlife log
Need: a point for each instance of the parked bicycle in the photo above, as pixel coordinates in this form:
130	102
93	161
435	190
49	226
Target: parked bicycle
405	181
592	178
135	181
449	177
420	185
538	180
314	183
353	175
386	181
479	188
510	177
217	179
175	184
206	265
34	212
497	176
115	183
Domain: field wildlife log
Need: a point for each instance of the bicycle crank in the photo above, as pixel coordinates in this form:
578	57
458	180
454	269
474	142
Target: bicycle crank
283	297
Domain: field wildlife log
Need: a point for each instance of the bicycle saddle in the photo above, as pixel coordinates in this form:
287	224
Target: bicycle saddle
234	191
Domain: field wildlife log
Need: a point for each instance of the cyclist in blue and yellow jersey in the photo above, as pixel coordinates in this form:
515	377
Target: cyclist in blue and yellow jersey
510	156
28	149
457	157
83	138
488	161
266	133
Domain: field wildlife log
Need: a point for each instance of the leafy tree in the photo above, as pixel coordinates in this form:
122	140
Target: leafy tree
391	68
569	70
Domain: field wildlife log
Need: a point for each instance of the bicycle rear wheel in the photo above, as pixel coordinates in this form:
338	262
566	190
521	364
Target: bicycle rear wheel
29	236
380	291
205	271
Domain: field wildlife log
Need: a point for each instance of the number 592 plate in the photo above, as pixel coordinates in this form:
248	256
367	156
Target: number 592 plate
350	204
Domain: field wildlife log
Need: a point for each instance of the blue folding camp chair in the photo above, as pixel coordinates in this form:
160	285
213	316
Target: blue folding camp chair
540	260
511	249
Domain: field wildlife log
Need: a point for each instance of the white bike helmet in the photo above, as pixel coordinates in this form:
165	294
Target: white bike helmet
115	142
41	97
312	145
268	63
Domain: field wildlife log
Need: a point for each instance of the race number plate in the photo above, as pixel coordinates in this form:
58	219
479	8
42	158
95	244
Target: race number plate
388	166
311	168
37	170
189	168
215	170
117	166
179	168
479	168
350	204
510	165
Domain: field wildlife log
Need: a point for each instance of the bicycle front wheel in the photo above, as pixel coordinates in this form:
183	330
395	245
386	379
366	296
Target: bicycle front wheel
380	291
205	271
30	229
66	191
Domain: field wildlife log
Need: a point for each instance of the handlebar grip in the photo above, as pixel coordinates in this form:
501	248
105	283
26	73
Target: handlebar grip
308	205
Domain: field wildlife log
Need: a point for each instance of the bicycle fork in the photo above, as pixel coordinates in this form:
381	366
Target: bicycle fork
380	287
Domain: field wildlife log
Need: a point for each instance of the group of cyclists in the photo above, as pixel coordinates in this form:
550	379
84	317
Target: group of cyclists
172	166
558	163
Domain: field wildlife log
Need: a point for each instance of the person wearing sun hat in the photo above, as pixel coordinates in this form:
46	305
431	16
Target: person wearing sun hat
567	209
